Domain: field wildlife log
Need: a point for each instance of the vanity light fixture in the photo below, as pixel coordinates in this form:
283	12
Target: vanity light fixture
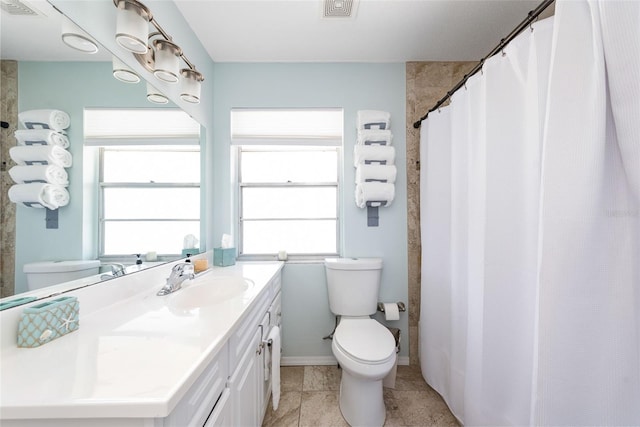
155	96
166	60
155	51
123	73
132	26
191	85
73	36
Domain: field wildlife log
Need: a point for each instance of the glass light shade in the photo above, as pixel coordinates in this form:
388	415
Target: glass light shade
191	86
155	96
166	60
132	26
124	73
74	37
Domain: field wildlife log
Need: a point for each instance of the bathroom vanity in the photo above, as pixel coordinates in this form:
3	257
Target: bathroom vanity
196	357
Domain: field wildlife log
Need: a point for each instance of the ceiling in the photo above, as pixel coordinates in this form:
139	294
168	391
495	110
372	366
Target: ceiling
295	31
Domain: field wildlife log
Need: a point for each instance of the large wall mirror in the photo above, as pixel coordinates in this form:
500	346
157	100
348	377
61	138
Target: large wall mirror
41	72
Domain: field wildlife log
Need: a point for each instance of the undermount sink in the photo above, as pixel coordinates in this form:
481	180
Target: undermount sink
209	290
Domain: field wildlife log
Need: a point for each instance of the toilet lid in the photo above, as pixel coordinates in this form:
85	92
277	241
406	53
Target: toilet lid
365	340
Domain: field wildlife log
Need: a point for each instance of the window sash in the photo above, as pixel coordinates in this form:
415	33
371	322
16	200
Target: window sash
246	213
241	220
140	221
302	228
144	238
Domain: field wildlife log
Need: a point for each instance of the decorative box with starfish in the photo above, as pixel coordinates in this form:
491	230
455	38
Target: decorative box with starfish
47	321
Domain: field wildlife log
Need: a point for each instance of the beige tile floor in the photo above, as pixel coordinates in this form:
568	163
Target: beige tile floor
309	397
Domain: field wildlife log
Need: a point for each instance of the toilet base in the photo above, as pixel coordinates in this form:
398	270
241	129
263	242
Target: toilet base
361	401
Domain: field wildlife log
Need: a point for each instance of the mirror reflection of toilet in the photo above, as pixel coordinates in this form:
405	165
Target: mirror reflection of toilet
364	348
48	273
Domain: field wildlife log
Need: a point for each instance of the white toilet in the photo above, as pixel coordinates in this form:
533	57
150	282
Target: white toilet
364	348
48	273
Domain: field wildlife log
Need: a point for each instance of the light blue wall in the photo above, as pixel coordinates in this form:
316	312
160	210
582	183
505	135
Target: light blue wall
69	87
353	87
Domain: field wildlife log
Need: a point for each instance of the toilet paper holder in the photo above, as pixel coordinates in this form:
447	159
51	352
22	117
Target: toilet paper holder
401	306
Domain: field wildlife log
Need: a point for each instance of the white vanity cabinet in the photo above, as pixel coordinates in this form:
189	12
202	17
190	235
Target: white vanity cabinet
244	400
250	382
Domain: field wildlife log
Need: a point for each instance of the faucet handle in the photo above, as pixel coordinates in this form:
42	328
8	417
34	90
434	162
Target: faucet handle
189	270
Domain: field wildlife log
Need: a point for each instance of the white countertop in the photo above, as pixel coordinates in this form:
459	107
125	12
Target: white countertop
135	357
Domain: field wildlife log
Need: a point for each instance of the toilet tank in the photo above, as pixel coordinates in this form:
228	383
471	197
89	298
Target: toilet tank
353	285
47	273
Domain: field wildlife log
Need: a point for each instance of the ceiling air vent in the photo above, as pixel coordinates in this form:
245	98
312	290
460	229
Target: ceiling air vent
16	7
338	8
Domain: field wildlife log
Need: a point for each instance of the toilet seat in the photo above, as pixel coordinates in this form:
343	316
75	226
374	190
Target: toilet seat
365	341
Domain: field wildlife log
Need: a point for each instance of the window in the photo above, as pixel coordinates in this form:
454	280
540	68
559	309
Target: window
149	187
288	180
151	207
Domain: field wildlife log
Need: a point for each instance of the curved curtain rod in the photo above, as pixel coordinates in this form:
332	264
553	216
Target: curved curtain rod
531	16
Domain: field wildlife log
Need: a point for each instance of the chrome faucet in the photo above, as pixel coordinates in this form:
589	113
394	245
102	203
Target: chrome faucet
117	270
179	273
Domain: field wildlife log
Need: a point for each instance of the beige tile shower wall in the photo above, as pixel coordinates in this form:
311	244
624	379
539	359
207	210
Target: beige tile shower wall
427	83
8	113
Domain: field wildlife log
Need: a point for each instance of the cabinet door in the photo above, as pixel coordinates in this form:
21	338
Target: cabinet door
244	386
221	415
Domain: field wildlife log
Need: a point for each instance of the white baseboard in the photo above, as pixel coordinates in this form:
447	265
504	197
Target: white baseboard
308	361
323	360
403	360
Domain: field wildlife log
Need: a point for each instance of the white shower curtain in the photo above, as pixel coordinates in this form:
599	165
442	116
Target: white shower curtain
530	311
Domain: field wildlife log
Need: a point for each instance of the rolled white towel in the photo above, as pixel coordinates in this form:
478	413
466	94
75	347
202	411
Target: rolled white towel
374	192
52	174
44	119
48	195
41	137
375	136
375	172
373	119
52	154
376	153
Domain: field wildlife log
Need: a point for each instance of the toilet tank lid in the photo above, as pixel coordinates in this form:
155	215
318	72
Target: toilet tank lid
59	266
353	263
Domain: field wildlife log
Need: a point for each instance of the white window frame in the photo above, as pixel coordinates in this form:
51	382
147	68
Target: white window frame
243	142
101	203
110	128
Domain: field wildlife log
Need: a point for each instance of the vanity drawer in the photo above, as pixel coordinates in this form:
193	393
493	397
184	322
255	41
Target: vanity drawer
197	404
276	284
